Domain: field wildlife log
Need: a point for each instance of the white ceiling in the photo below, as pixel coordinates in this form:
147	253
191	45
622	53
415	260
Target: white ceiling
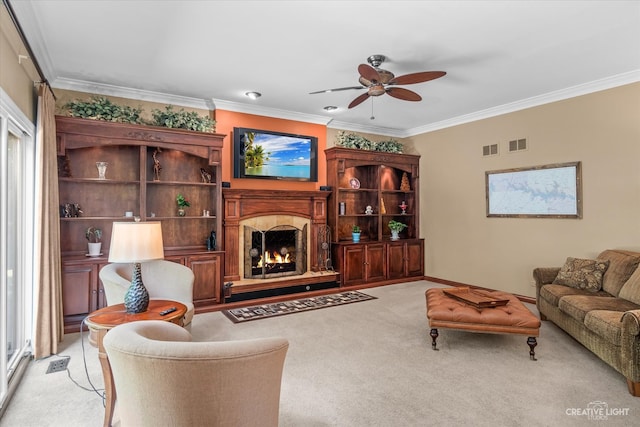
499	56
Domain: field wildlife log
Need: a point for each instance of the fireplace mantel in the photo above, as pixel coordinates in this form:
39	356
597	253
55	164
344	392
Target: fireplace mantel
241	204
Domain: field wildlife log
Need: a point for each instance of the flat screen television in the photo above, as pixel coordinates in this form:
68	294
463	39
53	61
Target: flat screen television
266	154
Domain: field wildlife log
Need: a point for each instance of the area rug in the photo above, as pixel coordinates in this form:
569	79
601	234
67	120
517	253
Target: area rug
255	312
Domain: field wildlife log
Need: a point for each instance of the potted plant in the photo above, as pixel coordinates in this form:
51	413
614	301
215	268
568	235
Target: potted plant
396	227
94	237
355	233
182	203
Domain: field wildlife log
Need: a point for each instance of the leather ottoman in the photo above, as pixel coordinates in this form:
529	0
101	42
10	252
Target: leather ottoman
443	311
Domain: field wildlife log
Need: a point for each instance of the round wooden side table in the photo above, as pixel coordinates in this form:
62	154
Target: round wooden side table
101	321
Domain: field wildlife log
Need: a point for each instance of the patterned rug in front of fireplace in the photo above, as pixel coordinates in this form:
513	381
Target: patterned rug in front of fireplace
263	311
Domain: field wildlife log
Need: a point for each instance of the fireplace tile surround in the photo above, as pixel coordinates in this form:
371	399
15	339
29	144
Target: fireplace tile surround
265	209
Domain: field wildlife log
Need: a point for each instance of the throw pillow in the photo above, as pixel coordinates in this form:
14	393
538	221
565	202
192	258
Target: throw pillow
582	274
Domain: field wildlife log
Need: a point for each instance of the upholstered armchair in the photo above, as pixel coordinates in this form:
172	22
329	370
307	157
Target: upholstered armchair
162	378
163	280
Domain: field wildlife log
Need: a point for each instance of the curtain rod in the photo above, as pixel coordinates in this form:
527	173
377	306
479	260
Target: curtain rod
14	19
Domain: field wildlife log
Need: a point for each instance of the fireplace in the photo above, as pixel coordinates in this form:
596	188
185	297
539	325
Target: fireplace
250	213
275	252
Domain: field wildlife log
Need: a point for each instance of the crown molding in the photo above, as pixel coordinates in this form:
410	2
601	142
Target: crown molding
138	94
560	95
271	112
376	130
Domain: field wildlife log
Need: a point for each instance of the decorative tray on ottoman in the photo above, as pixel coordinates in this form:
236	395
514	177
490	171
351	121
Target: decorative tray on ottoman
475	297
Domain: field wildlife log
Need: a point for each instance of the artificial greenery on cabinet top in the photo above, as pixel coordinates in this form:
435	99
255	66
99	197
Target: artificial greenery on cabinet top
101	108
358	142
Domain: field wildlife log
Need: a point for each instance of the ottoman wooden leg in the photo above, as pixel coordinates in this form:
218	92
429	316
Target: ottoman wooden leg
434	336
532	345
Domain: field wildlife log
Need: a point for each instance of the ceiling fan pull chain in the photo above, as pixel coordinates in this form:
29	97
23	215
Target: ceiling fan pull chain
372	116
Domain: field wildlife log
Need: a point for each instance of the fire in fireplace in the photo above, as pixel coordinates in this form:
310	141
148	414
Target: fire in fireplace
279	251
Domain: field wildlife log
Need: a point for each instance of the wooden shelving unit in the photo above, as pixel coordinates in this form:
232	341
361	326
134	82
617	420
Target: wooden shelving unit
130	185
359	179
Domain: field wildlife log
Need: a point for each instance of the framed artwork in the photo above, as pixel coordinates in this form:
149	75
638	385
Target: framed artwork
547	191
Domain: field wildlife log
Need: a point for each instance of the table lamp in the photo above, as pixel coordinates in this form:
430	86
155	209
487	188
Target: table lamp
136	242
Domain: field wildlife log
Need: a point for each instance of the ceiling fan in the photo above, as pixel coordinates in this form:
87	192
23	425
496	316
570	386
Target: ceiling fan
378	82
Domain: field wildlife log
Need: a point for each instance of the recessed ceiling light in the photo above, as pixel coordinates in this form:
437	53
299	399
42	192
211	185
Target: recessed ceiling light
330	108
253	95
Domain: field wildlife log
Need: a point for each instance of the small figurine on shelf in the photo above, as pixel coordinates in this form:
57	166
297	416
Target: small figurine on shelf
403	206
156	164
368	210
211	242
206	176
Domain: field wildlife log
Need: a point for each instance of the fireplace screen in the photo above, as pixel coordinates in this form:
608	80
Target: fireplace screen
279	251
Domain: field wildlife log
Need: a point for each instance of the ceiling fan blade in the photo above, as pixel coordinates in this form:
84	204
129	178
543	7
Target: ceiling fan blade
359	100
368	72
424	76
404	94
336	89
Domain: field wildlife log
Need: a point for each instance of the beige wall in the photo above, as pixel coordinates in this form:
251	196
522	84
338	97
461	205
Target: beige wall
16	76
602	130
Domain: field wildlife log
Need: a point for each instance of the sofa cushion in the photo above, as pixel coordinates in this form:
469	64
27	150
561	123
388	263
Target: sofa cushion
606	324
552	293
631	288
577	306
622	264
582	273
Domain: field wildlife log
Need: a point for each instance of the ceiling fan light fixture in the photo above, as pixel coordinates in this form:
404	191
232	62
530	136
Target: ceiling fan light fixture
253	95
377	89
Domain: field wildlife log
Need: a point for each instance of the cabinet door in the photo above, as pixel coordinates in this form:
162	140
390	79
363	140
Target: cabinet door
415	258
79	290
396	260
376	262
354	265
208	278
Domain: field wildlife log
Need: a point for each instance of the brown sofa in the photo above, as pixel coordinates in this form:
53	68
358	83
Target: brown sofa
605	319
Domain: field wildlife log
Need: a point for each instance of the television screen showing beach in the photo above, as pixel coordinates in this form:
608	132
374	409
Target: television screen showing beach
277	156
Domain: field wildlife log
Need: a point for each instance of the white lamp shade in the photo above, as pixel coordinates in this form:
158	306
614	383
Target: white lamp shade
136	242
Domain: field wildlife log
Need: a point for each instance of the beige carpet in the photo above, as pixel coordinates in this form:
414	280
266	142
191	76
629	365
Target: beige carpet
371	364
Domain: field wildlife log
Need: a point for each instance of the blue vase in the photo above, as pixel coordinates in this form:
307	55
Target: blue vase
355	237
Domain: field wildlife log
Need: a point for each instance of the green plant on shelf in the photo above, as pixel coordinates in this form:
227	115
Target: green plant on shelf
397	226
182	202
93	235
355	229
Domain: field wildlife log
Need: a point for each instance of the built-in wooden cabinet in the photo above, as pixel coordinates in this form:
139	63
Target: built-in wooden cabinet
362	263
405	259
369	189
81	289
208	269
147	167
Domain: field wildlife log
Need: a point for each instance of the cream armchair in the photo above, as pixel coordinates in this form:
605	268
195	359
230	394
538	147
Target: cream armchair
162	378
163	280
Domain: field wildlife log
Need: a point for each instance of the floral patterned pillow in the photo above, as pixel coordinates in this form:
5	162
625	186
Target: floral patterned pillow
582	273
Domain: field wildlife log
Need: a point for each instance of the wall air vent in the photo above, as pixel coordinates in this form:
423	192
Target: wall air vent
518	145
490	150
